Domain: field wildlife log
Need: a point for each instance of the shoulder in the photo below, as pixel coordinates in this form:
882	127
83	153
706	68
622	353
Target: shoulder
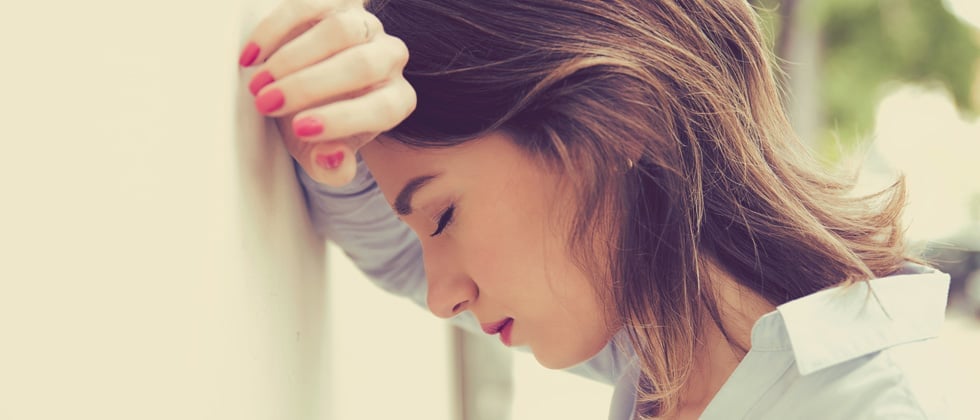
901	382
866	351
836	325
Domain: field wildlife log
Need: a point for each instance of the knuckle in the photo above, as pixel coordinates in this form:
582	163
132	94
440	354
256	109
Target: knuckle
389	107
309	8
407	95
374	24
368	65
411	98
346	27
399	51
331	26
396	105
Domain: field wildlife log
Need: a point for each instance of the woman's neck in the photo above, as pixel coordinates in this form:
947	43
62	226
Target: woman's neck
716	357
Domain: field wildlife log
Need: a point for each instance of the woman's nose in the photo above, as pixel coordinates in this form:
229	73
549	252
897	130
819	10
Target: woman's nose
448	297
450	290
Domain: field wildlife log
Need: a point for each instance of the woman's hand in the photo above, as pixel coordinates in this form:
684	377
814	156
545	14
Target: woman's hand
332	78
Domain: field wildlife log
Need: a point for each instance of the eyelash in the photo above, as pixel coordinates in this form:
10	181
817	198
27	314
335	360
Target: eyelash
445	219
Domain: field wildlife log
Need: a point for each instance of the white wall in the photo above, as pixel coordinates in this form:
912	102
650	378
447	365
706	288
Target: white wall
155	261
390	359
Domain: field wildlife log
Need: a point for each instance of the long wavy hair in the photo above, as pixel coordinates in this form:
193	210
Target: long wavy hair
666	117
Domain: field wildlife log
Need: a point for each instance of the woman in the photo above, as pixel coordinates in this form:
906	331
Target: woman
612	184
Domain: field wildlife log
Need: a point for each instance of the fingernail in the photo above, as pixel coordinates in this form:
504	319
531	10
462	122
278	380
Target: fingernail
249	55
308	126
260	81
331	161
269	101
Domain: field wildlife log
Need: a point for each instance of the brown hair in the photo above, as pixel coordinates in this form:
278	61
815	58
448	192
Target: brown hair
683	90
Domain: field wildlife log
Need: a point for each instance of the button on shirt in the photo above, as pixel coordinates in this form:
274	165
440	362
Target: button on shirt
864	351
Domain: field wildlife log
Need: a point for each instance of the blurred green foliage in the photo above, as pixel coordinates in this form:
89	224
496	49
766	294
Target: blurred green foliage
868	47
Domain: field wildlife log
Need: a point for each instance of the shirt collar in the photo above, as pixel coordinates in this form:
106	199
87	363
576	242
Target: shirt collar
843	323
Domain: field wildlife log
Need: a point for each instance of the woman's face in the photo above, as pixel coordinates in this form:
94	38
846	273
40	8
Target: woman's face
493	223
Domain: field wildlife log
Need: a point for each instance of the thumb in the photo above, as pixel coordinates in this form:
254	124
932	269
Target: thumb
333	163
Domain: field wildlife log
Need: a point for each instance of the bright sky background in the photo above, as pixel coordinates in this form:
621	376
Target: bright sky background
968	10
920	133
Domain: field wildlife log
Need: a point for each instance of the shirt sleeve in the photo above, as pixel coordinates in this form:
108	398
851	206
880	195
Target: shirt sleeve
358	219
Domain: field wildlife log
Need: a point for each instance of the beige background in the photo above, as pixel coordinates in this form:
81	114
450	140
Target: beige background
156	261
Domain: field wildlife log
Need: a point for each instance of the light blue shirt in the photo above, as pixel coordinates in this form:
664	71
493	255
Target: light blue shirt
842	353
838	354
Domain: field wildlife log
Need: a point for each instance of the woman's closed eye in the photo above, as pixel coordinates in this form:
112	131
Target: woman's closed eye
445	219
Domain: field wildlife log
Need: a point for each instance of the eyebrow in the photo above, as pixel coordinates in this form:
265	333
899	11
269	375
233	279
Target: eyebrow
403	202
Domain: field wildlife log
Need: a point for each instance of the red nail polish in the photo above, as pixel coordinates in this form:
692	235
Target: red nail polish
331	161
270	101
260	81
249	55
307	126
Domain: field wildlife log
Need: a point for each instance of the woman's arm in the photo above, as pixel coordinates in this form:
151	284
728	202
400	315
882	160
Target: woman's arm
358	219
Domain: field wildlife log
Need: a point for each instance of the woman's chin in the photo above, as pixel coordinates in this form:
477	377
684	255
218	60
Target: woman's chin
555	362
558	359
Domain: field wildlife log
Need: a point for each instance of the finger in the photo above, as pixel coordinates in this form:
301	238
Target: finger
333	163
320	160
377	111
286	21
350	70
334	33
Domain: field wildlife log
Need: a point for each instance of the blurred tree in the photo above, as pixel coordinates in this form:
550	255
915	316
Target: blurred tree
863	49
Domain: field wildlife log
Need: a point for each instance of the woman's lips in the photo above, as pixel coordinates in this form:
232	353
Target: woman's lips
503	327
505	332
